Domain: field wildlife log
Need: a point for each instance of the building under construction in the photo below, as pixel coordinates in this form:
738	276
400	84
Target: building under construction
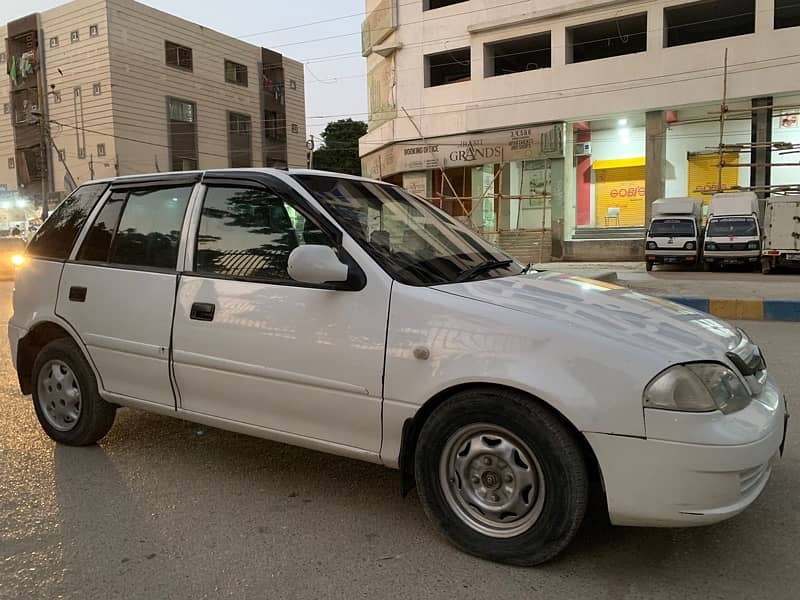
551	127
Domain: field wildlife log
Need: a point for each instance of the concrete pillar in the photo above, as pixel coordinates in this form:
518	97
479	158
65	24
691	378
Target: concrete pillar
761	153
765	15
656	157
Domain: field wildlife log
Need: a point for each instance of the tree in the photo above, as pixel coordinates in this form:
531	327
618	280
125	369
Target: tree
339	152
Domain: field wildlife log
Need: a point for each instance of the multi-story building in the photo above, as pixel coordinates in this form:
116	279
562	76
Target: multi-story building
122	88
542	121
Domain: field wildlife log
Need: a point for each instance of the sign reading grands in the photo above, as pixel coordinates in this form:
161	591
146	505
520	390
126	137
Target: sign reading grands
526	143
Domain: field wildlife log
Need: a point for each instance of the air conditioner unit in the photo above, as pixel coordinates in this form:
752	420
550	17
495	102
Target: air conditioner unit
583	149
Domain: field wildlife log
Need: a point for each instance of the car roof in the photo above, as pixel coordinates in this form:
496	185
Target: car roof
200	173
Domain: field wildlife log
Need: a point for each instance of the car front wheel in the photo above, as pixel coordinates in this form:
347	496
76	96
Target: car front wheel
65	396
501	476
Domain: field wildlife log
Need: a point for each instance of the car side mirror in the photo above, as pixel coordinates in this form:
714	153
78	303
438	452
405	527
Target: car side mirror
316	264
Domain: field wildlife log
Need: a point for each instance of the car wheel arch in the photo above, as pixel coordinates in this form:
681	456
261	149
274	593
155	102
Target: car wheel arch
413	426
39	335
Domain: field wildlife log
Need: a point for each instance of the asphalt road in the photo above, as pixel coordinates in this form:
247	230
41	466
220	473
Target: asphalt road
166	509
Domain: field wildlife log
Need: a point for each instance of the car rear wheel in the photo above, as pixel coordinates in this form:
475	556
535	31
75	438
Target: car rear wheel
65	396
501	476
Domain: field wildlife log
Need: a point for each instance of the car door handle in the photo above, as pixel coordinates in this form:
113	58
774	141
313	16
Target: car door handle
202	311
77	294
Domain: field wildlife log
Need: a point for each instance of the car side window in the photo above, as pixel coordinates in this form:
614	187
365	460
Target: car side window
138	228
248	233
97	244
58	234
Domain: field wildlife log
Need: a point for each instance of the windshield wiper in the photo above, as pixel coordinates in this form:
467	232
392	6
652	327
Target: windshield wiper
482	268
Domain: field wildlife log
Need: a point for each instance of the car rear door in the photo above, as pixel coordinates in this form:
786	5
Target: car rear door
254	347
118	289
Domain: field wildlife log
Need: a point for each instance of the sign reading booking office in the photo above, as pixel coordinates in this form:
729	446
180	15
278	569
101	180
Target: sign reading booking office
521	143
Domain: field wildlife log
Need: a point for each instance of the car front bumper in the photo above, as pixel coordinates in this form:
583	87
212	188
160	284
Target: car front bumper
732	255
661	483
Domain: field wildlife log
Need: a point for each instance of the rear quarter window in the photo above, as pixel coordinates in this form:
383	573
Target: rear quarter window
59	232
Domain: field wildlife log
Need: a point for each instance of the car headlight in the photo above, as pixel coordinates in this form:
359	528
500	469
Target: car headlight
652	246
711	246
689	246
698	387
18	260
753	245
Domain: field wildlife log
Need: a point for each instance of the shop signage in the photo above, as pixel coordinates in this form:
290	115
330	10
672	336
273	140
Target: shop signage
789	120
527	143
416	183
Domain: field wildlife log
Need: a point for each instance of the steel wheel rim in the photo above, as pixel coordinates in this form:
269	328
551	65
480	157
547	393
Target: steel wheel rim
59	395
492	480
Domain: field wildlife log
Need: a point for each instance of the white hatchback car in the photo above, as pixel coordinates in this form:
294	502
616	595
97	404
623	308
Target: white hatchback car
347	316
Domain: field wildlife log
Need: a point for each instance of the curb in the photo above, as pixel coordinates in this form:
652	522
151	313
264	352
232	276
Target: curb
744	310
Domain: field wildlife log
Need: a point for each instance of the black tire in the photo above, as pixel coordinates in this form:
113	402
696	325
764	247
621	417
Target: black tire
96	415
562	467
648	265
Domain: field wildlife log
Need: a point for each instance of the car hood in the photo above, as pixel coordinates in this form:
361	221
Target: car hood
617	315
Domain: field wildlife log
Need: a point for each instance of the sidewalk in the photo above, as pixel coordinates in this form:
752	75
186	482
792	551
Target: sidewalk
730	295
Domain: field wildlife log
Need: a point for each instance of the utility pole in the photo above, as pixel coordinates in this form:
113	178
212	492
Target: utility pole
44	171
91	167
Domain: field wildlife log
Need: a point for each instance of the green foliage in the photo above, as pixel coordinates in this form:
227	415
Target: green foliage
340	150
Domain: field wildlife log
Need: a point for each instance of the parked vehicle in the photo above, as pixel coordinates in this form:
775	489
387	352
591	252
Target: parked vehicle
781	233
348	316
12	250
674	233
733	233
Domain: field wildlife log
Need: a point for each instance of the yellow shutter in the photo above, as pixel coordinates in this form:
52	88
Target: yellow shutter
704	174
621	188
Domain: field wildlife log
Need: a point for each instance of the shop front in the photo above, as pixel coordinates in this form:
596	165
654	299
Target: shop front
605	218
504	184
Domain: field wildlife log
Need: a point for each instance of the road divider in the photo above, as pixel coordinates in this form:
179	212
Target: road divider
744	309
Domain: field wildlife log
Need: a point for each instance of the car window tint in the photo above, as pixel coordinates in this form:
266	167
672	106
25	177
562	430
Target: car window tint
150	228
97	244
249	233
58	233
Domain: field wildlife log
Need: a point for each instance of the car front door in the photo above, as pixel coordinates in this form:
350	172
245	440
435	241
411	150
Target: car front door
254	347
118	290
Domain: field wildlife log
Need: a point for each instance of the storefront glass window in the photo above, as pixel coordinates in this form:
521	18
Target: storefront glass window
483	198
530	194
610	173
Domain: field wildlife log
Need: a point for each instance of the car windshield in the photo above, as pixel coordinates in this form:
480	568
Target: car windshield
672	228
732	227
414	242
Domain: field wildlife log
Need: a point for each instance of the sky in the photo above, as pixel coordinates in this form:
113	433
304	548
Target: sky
333	86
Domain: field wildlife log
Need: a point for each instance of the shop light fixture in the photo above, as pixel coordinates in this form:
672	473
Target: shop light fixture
622	122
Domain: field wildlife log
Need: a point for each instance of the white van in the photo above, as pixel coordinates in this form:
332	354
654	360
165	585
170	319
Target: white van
348	316
674	232
781	233
733	233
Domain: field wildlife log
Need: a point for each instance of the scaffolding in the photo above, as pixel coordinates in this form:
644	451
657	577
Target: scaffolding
468	204
725	114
